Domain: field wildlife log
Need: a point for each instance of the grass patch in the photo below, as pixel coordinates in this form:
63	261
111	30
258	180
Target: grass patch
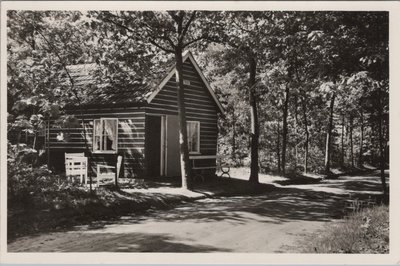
365	231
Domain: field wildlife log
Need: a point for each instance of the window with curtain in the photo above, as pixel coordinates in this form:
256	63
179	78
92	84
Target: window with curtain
105	134
193	131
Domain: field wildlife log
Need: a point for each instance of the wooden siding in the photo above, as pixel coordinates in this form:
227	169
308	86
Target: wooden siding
199	105
131	140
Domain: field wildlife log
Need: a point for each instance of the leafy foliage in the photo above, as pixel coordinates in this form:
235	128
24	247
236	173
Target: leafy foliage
29	186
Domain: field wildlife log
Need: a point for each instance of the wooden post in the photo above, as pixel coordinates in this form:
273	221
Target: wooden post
116	172
117	169
98	178
116	175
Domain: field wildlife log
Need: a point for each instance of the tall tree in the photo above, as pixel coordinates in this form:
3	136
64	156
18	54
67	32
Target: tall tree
360	156
285	128
306	142
329	135
247	37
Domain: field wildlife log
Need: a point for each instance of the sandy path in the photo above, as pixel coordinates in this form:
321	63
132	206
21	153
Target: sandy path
273	222
204	226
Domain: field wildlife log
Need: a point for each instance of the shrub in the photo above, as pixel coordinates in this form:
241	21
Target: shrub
366	231
35	187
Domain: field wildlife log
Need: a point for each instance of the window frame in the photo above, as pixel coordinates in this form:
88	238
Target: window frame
102	119
198	136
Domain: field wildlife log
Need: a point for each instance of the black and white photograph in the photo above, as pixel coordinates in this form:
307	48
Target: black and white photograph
196	130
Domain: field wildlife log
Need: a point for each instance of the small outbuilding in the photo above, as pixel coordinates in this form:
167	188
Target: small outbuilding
143	129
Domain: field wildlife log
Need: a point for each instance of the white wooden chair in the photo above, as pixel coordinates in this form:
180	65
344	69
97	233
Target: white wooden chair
107	173
76	164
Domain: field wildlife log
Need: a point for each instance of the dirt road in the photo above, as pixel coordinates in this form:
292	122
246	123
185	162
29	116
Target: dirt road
273	222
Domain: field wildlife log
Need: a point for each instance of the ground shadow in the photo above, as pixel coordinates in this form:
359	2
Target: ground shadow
298	179
282	205
300	203
120	242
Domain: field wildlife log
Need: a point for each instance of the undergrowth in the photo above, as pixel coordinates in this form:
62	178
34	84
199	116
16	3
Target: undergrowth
364	231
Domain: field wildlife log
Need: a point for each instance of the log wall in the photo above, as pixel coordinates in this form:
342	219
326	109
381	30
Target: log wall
131	139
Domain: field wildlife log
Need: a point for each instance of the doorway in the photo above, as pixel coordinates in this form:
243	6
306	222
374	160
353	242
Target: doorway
162	146
173	165
155	143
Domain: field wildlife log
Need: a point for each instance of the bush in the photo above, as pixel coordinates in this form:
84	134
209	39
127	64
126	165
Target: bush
35	187
366	231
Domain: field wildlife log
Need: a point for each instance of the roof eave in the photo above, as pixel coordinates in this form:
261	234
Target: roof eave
104	105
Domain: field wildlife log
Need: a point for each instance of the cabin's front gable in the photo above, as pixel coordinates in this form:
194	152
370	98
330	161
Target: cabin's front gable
162	126
199	105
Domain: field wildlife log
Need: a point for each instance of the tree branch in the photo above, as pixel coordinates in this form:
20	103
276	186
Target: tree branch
59	58
241	28
161	47
120	25
194	40
174	16
151	32
165	37
186	27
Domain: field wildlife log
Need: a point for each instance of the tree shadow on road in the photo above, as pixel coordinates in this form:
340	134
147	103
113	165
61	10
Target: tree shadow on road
98	241
279	206
284	204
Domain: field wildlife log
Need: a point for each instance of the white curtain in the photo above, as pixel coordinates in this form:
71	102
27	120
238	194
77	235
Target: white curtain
110	128
192	130
96	134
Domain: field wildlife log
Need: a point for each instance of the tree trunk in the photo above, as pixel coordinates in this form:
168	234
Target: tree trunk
351	142
82	118
233	133
329	137
342	143
36	157
360	156
285	128
296	122
385	136
48	143
307	135
255	130
381	140
34	140
278	148
183	144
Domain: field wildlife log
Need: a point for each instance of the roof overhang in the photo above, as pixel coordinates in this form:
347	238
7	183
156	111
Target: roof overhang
187	55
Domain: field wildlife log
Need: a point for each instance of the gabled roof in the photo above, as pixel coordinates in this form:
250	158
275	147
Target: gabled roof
100	91
187	55
135	93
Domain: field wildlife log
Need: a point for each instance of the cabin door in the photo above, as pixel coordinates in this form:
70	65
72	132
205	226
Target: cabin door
172	160
155	153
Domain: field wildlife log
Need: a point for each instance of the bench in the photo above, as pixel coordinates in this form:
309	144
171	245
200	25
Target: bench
198	169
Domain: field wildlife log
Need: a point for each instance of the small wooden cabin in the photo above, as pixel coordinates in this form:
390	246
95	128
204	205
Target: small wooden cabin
144	130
